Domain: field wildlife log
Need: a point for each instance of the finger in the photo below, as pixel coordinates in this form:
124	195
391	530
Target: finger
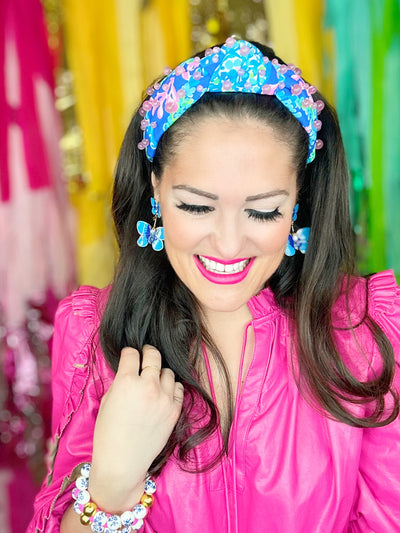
151	359
129	361
150	369
178	392
167	380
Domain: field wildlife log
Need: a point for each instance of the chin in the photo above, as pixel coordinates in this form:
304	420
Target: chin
223	304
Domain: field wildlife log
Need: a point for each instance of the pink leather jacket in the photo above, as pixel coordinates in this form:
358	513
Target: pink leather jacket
289	470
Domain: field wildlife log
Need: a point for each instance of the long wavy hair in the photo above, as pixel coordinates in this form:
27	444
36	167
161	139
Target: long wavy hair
149	304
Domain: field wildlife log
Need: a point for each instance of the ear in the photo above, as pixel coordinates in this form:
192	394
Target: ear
156	184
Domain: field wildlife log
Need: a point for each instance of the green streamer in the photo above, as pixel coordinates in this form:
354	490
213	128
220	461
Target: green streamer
391	135
368	105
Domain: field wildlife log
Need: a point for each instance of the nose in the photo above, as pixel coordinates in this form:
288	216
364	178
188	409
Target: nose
228	237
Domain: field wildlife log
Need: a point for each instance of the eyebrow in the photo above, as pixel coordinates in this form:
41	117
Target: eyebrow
196	191
269	194
261	196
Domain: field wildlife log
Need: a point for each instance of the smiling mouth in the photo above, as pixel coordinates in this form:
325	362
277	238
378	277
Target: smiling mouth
216	267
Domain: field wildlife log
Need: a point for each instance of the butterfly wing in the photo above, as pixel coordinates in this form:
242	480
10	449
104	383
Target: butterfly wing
302	235
290	250
295	211
155	208
157	239
145	230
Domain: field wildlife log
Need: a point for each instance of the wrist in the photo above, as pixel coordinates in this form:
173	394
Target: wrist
115	499
114	492
92	514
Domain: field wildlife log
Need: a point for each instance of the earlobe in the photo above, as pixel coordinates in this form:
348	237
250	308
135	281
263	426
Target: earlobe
155	183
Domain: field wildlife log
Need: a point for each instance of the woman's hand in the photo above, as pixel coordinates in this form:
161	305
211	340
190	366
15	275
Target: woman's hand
135	419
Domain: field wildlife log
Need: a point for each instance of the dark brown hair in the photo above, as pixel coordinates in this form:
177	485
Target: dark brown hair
149	304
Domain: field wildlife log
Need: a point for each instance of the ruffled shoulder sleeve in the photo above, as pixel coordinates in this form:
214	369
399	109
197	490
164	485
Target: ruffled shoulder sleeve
80	376
378	489
384	306
75	347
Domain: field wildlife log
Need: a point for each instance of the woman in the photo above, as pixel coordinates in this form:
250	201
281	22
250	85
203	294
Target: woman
256	378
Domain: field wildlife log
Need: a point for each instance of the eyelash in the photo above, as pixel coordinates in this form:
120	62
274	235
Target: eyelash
264	216
256	215
196	209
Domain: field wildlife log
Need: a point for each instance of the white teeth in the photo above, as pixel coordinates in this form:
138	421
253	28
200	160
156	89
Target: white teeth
220	268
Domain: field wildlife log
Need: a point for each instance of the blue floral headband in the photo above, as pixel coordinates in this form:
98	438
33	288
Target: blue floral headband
239	67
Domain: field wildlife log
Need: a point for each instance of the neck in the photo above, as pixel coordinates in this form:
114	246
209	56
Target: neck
225	325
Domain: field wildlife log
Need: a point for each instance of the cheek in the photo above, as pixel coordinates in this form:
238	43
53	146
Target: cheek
275	240
180	233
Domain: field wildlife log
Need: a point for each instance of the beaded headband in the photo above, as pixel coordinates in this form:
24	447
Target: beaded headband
238	67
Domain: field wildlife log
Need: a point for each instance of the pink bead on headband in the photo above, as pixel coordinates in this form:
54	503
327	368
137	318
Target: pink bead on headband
239	67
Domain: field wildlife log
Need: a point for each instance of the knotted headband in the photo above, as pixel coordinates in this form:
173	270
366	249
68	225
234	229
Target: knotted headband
238	67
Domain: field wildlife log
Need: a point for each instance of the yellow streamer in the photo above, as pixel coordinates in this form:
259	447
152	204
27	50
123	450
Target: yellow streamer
165	36
113	49
296	32
93	57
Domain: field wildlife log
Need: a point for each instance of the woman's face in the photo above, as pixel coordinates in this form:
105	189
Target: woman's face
227	198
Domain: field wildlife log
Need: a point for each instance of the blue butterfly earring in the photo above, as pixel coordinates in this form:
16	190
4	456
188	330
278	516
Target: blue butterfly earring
298	240
151	234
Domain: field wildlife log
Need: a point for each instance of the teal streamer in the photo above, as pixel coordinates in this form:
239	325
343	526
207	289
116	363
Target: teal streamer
367	36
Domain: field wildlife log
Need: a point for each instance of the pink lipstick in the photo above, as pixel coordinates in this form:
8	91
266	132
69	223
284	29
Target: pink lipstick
223	278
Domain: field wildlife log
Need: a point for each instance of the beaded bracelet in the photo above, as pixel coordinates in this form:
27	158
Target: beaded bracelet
102	522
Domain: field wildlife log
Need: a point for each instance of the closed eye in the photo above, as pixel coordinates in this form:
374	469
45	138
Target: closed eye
194	208
263	215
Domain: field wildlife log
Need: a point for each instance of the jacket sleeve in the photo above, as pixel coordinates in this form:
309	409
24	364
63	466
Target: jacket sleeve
80	377
377	507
